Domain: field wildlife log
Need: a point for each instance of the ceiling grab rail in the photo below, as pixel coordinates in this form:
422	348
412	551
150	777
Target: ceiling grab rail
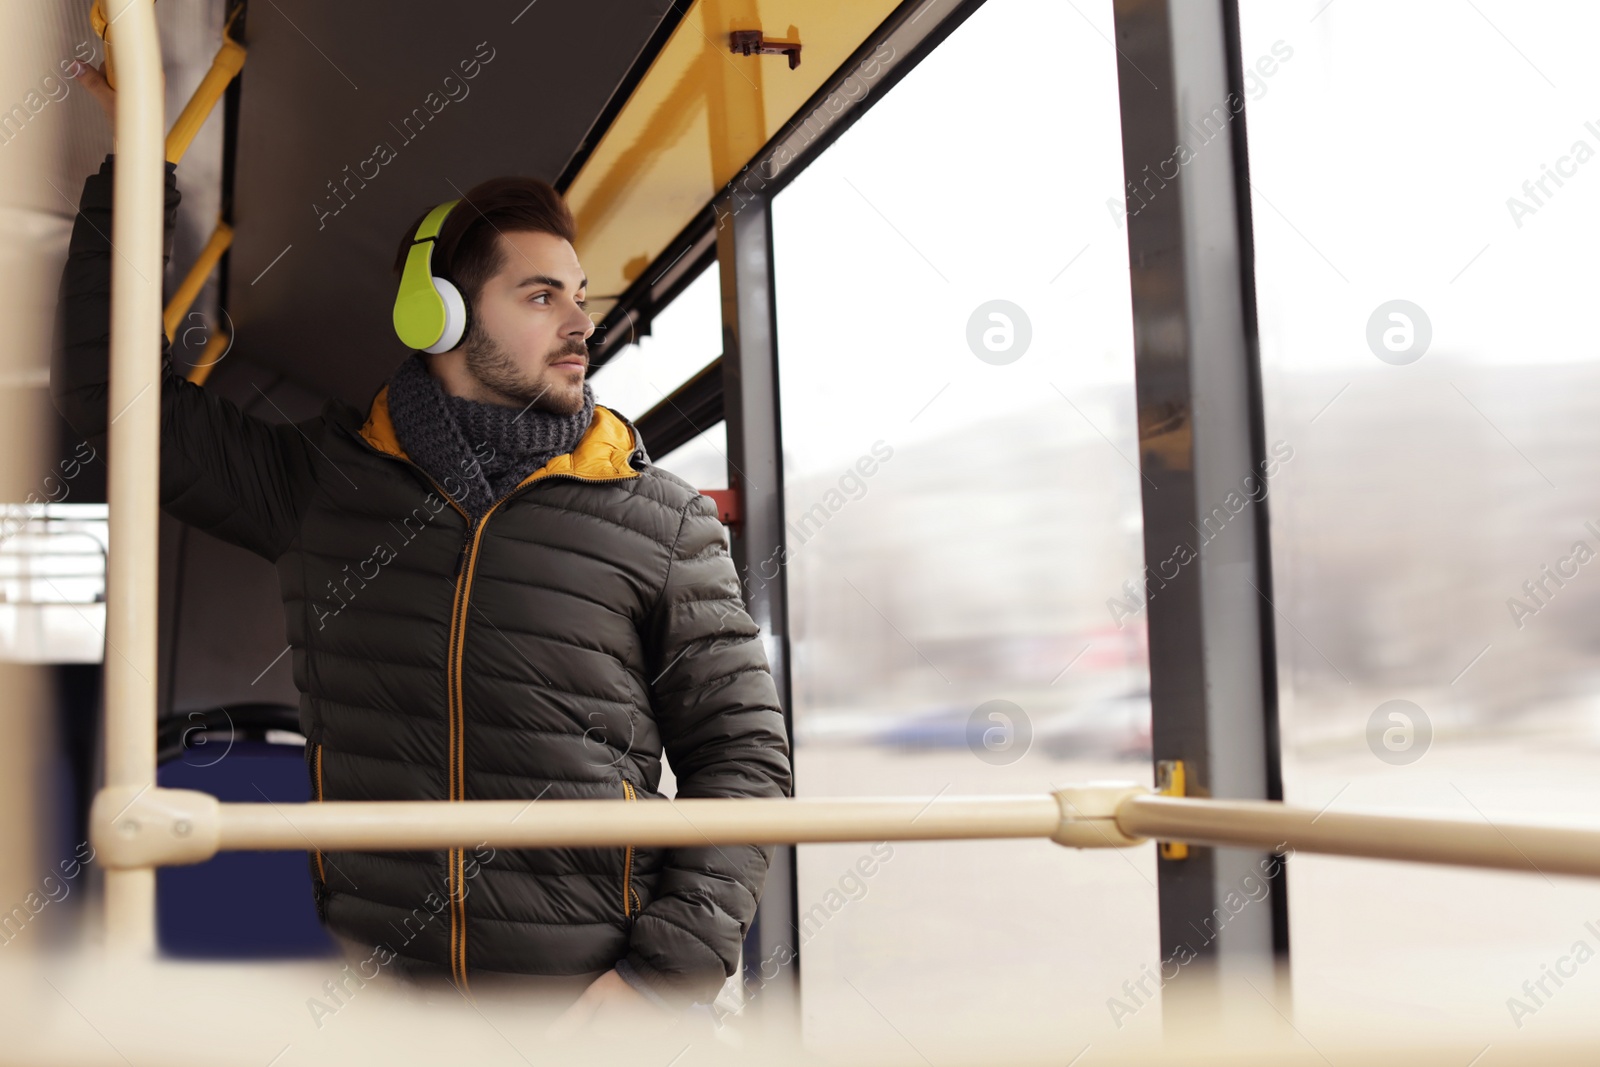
221	238
225	66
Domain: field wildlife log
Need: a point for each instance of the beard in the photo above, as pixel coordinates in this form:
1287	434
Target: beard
548	390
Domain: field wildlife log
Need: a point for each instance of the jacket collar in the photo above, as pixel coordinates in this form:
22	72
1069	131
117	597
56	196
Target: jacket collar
603	452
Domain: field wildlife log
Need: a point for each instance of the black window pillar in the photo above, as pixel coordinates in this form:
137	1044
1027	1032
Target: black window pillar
1202	452
756	543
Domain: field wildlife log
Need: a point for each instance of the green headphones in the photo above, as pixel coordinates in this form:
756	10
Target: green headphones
429	312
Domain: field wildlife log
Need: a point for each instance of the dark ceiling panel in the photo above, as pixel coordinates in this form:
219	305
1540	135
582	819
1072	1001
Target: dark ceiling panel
330	86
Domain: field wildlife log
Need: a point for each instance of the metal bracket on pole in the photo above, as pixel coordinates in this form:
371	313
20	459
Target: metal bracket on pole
146	826
1089	815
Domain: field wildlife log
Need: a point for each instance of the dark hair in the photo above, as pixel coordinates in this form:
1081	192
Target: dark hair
468	249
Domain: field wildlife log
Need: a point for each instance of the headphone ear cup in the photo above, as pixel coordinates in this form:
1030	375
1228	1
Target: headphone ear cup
455	317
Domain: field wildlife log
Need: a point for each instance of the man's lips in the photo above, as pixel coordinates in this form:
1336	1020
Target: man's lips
572	361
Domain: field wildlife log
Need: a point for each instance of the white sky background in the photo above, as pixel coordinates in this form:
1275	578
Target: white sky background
685	337
978	177
1391	142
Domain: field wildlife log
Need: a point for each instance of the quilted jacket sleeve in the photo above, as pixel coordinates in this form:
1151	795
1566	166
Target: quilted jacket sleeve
718	712
235	476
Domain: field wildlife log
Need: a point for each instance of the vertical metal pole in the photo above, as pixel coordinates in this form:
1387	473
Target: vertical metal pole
755	470
134	443
1208	574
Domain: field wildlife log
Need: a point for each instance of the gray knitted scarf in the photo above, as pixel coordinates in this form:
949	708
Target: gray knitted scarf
483	450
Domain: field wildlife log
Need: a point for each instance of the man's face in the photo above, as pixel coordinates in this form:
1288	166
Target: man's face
528	342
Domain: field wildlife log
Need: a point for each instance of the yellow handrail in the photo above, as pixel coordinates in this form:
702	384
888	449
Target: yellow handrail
195	280
225	67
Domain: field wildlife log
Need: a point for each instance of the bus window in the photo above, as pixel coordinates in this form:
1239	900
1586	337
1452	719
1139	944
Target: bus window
1426	340
701	461
53	580
962	512
684	337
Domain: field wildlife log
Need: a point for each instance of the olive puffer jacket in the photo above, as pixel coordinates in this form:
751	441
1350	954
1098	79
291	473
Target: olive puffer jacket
551	650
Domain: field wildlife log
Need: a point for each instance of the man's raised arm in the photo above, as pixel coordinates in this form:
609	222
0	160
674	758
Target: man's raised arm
235	476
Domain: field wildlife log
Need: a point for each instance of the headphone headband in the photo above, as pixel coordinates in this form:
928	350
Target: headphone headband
434	221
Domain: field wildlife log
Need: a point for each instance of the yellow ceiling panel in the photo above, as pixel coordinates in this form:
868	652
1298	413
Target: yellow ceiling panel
698	115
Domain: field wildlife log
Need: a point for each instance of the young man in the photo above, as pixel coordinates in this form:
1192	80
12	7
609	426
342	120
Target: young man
490	593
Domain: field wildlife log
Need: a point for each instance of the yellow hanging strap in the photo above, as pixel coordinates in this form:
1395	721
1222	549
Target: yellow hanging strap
97	20
224	68
181	301
226	65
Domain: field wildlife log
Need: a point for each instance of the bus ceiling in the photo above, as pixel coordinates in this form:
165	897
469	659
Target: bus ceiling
639	111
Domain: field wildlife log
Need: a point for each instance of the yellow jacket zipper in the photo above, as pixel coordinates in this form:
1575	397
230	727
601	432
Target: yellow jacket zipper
627	862
466	565
317	757
454	859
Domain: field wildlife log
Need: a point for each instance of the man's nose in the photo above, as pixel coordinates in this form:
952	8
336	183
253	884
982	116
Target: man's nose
582	326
